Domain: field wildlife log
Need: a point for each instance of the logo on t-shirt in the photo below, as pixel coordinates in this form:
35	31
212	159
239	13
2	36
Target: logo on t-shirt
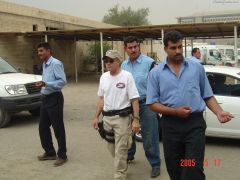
120	85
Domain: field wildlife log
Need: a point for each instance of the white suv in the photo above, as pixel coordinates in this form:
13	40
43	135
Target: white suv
17	92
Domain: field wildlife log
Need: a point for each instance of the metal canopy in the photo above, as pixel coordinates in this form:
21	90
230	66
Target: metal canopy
197	31
193	31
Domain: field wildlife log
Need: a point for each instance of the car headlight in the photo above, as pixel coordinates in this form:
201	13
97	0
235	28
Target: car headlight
16	89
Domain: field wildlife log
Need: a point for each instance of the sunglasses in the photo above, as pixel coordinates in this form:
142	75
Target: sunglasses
108	61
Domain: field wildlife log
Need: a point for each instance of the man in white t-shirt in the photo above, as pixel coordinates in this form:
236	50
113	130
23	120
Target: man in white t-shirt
118	102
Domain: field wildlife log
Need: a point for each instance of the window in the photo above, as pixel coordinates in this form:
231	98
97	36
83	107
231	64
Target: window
214	55
35	27
224	85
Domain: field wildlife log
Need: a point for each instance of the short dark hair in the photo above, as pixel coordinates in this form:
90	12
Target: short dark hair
173	36
45	45
130	39
194	50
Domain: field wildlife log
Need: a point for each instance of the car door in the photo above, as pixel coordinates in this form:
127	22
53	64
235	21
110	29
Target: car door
228	97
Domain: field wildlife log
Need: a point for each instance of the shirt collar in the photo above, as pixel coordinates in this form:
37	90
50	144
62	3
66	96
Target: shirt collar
50	59
138	60
165	63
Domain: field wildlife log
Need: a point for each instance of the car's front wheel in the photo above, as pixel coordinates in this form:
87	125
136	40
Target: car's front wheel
4	118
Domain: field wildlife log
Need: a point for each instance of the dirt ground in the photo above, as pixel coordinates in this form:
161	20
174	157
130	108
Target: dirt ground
87	152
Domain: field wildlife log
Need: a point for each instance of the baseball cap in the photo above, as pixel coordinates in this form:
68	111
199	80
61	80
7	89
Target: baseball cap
113	54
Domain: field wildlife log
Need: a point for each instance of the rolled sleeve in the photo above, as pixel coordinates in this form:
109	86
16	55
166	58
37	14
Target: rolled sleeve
60	78
153	91
206	90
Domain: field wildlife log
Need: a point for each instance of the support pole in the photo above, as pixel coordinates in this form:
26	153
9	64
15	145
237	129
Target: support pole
163	53
46	38
235	46
101	43
75	59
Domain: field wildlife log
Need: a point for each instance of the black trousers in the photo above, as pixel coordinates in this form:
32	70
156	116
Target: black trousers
51	114
184	146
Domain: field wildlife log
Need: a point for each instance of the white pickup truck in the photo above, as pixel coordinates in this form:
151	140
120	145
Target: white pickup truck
17	92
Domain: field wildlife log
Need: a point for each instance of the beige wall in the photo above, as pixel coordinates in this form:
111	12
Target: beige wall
21	52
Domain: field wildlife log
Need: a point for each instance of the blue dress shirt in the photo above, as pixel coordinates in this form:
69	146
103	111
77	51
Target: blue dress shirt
189	88
193	58
140	70
53	75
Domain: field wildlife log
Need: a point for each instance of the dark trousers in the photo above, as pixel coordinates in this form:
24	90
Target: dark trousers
184	146
51	114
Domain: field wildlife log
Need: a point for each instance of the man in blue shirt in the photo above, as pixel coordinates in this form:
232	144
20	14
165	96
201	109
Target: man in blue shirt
139	65
53	80
196	55
180	91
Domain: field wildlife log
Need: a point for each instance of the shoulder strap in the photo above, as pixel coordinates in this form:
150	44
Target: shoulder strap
152	65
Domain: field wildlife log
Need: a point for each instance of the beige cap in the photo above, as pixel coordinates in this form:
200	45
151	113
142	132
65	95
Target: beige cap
113	54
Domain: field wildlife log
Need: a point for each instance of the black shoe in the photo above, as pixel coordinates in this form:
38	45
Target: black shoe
155	172
60	161
45	157
130	160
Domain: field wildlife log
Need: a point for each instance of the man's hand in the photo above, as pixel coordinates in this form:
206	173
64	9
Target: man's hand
183	111
95	123
224	117
40	84
135	126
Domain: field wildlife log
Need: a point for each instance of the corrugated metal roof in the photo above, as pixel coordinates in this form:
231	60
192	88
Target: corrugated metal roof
202	30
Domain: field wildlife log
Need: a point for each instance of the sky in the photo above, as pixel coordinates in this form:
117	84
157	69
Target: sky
161	11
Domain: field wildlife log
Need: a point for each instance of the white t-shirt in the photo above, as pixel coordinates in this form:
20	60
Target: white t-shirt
117	91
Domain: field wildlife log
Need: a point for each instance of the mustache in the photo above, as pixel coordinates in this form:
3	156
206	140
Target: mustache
178	54
178	57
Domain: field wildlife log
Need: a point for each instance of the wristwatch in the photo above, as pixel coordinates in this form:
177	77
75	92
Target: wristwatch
136	117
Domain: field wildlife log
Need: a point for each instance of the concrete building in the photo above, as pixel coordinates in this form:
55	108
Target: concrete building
211	17
21	52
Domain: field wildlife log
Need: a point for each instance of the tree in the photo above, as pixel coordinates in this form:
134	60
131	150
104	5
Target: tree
93	57
126	16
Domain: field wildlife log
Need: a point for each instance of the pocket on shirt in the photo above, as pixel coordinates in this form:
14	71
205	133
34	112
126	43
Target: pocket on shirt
192	87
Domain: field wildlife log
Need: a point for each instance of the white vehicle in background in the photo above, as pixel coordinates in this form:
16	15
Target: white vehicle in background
238	52
17	92
209	54
225	82
227	51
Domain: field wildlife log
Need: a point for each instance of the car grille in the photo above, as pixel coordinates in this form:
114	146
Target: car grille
32	89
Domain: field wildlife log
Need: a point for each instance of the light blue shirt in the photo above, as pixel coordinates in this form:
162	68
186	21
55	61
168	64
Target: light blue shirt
193	58
190	88
140	70
53	75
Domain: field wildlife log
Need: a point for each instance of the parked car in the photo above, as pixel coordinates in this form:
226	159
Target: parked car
17	92
225	82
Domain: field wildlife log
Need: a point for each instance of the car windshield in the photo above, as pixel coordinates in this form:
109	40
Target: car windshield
224	85
6	68
230	53
216	55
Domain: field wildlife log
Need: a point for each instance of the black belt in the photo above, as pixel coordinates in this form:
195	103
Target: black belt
51	94
142	101
194	114
122	112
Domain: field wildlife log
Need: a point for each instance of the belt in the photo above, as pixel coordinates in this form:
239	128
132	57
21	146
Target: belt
142	101
194	114
51	94
122	112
